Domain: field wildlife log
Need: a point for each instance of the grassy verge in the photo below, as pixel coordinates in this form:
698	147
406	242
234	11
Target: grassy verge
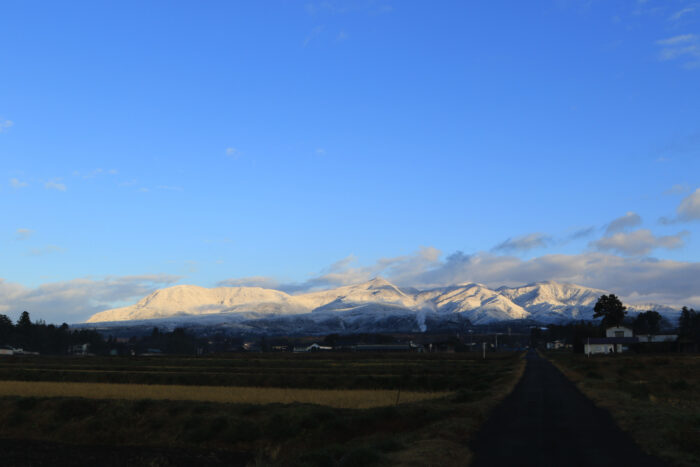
654	398
433	431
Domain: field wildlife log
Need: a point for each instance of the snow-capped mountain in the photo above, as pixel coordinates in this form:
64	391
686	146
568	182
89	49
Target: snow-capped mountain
550	301
374	306
190	300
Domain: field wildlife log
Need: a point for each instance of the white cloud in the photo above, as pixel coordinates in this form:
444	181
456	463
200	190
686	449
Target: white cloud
77	299
312	35
631	219
689	209
233	153
15	183
685	47
55	185
672	282
347	272
680	39
639	279
677	189
524	242
580	233
6	124
252	281
45	250
95	172
639	242
23	234
685	11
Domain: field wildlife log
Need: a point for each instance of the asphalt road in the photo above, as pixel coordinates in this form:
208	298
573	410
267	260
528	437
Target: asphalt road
547	421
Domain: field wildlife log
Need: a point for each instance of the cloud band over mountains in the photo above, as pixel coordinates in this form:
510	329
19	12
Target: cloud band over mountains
617	261
74	300
637	280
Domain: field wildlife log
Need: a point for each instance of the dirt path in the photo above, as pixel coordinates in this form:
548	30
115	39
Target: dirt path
546	421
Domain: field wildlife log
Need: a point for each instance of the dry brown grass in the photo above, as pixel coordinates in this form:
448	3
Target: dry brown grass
338	398
655	398
446	443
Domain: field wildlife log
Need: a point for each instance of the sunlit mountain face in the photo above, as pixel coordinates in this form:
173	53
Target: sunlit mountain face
373	306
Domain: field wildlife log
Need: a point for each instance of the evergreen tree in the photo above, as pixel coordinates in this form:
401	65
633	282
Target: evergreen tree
647	323
689	324
611	309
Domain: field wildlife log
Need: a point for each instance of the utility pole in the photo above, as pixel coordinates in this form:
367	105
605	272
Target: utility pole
483	350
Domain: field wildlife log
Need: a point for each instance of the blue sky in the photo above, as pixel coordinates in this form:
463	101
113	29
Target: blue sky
313	144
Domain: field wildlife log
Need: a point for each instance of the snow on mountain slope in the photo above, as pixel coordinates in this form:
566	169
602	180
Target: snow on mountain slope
375	291
550	300
370	305
478	302
195	300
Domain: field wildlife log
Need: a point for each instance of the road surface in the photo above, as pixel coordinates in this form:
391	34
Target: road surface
547	421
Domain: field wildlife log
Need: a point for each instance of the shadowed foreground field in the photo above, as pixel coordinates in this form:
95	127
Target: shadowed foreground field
656	399
442	401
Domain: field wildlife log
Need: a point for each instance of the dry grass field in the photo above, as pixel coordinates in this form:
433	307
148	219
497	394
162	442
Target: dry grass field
656	398
339	398
302	410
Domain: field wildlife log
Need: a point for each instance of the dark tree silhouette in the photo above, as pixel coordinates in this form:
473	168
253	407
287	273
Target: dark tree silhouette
6	329
611	309
647	323
689	324
24	322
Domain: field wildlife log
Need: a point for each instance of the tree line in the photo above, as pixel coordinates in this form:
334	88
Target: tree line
50	339
611	312
46	338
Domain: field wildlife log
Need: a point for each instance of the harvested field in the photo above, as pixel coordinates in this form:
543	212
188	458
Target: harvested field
340	398
431	372
253	409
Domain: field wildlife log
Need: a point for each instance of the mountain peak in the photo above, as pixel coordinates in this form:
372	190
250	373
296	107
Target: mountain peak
378	282
546	301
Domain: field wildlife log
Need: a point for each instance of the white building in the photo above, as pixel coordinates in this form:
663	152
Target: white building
618	331
658	338
617	339
312	348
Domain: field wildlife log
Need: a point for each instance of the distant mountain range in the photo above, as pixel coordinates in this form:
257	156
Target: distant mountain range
374	306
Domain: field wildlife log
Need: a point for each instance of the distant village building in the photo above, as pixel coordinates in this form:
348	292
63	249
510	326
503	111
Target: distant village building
251	347
618	331
312	348
657	338
556	345
80	349
410	347
617	339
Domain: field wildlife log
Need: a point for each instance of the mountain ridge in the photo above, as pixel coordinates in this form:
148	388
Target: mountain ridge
364	307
